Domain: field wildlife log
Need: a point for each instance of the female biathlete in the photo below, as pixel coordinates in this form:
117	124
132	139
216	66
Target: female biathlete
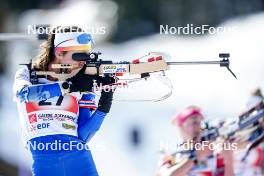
201	161
63	124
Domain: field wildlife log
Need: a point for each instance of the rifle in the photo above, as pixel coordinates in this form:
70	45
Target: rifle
140	68
248	127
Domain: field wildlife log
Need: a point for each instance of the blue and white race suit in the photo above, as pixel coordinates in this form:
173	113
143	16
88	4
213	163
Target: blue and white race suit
67	122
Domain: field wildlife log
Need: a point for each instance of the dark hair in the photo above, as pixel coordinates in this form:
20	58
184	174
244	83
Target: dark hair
47	53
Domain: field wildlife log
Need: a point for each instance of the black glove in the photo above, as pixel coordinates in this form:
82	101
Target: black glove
106	98
80	82
106	80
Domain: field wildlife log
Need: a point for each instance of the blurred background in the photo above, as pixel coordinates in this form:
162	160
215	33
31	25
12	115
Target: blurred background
133	133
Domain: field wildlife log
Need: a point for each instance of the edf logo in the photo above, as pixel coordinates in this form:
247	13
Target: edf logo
43	125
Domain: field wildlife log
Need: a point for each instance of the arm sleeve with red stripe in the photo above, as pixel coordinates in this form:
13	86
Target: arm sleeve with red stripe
89	122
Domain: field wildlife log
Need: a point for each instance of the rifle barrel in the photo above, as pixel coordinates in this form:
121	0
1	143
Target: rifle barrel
195	63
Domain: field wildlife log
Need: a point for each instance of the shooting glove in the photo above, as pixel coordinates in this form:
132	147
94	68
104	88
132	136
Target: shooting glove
106	98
